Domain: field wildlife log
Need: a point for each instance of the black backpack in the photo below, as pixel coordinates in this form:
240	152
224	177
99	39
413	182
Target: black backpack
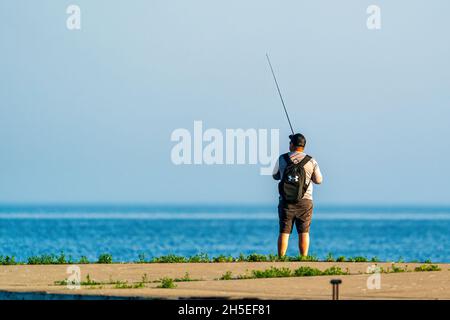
292	186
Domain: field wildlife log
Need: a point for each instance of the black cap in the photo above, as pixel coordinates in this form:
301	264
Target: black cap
298	140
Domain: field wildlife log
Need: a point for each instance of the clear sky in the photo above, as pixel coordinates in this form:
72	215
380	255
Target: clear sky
86	115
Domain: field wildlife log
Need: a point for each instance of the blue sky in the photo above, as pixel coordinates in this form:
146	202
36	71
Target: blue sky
86	116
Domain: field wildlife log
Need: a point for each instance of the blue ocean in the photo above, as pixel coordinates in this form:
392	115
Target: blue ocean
389	233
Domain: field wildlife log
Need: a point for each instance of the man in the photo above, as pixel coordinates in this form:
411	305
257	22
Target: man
297	207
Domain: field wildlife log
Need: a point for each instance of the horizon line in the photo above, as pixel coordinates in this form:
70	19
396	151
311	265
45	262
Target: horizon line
218	204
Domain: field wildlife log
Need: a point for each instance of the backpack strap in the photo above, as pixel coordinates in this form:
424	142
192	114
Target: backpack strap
287	158
305	160
302	163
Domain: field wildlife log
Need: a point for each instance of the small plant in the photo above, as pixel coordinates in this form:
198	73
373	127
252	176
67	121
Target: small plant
199	258
61	282
329	257
255	257
273	272
89	281
227	276
334	271
290	258
285	259
42	259
361	259
380	270
105	258
167	283
185	278
241	257
274	258
312	258
7	260
83	260
396	269
357	259
139	285
427	267
171	258
350	259
49	259
122	285
61	259
244	276
141	258
223	258
307	272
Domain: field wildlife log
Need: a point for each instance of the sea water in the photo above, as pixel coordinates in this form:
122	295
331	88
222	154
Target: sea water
389	233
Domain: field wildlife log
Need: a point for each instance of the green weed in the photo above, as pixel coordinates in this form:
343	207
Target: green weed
185	278
227	276
255	257
307	272
312	258
334	271
273	272
167	283
199	258
171	258
241	258
7	260
223	258
89	281
329	257
427	267
141	258
357	259
396	269
83	260
105	258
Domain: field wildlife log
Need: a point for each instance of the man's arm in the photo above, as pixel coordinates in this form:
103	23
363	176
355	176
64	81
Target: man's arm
317	177
276	170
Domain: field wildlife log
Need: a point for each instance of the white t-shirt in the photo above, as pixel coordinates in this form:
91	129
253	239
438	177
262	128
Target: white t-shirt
312	171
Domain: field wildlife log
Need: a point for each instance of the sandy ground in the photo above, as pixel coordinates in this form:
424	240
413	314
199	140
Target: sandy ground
16	281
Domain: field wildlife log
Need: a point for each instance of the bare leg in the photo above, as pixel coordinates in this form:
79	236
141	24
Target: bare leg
283	240
303	243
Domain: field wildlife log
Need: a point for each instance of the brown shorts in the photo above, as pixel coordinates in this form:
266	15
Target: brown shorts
300	212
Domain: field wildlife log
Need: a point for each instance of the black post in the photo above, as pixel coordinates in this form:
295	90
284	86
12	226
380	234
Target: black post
335	287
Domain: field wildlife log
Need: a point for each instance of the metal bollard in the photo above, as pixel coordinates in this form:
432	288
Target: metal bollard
335	286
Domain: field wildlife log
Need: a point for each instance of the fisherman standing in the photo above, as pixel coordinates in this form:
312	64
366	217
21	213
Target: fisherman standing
297	172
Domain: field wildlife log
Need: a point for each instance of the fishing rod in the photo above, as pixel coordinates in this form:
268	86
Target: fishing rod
279	92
